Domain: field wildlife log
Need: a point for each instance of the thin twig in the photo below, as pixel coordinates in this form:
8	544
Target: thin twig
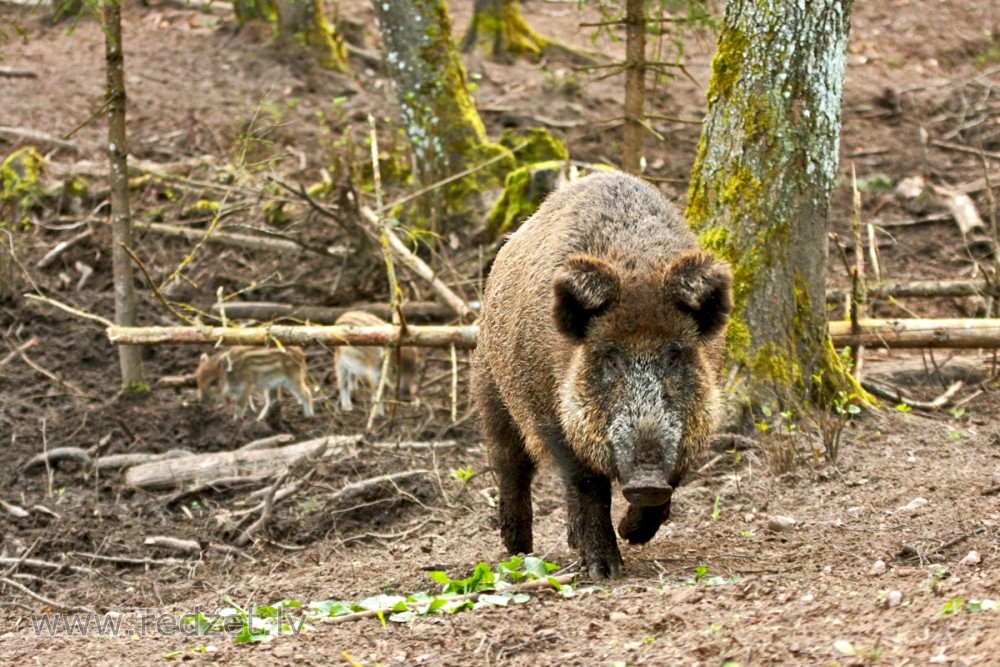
17	350
70	309
180	317
44	600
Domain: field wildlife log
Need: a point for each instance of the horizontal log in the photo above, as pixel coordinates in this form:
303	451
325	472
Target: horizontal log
415	312
421	336
902	333
918	333
260	463
921	288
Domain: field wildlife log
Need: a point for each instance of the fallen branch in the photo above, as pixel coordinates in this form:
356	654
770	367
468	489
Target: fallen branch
418	266
916	333
258	463
17	73
62	247
424	336
215	484
265	513
271	498
188	547
124	560
38	138
920	194
44	565
177	381
365	488
927	288
119	461
942	401
69	309
271	441
46	459
31	342
50	375
248	241
49	602
263	311
15	511
993	155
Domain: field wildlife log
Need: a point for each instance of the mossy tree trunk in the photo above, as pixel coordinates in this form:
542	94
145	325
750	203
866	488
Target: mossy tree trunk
761	188
498	30
130	360
300	22
445	131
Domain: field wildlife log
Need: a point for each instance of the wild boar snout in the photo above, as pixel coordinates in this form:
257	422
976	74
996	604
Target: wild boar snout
646	438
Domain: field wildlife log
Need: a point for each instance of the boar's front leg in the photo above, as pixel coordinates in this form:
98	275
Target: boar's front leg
640	524
511	463
588	508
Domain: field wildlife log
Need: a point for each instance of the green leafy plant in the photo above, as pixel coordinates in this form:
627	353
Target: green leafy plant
780	438
957	605
832	423
485	587
463	475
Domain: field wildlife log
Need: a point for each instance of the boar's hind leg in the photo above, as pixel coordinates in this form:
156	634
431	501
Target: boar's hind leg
512	465
640	523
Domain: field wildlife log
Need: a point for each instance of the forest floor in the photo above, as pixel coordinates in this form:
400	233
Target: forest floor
889	556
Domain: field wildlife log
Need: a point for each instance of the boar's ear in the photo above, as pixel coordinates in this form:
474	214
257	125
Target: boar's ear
584	288
700	286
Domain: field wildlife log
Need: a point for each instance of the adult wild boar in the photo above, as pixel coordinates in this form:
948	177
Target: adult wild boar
600	344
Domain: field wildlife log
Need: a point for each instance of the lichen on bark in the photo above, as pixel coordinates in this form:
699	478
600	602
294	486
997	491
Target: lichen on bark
439	116
498	30
761	187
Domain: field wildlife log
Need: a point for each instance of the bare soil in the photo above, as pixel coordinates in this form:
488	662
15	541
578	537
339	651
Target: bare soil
917	491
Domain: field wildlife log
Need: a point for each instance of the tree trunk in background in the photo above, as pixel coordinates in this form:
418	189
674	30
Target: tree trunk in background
121	219
761	187
303	22
298	22
498	30
634	132
440	118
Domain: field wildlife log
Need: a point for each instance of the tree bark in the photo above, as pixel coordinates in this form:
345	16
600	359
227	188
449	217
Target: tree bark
303	21
634	132
298	22
761	187
498	30
129	357
439	115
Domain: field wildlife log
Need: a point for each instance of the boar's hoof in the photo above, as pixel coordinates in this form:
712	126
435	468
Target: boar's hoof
604	566
645	495
640	524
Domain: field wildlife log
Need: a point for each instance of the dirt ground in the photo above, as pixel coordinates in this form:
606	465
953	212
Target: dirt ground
888	557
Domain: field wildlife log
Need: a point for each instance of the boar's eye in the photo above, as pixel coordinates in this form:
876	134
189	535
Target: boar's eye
612	364
670	355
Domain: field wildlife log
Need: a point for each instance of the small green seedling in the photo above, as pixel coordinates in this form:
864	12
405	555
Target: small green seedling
463	475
